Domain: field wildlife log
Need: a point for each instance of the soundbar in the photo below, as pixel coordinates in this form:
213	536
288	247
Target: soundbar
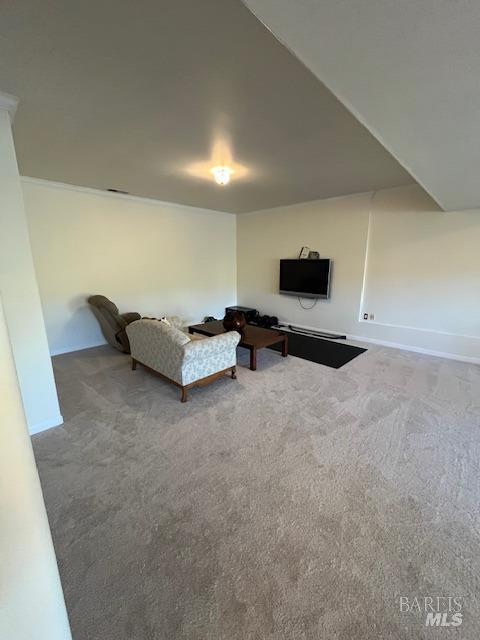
316	334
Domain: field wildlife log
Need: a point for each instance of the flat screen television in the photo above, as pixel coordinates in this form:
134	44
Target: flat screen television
305	278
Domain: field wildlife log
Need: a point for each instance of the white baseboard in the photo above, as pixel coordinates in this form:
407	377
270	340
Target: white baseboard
78	347
46	424
396	345
414	349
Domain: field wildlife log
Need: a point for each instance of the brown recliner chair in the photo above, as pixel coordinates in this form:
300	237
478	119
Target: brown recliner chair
112	322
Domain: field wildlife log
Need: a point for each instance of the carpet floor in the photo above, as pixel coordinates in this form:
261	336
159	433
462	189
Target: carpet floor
296	502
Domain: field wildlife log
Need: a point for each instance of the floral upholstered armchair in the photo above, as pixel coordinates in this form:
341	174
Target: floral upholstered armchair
179	358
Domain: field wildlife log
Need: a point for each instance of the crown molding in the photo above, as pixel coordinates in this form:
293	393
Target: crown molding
9	103
119	196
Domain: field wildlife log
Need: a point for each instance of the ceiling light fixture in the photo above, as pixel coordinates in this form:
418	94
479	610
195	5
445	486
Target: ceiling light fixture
221	175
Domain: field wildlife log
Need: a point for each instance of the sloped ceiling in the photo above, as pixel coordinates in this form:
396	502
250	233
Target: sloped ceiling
410	72
146	96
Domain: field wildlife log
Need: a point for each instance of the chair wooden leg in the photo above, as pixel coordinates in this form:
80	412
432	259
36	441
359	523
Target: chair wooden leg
134	364
234	373
184	394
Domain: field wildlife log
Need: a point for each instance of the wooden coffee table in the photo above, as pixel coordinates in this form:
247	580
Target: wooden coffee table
253	338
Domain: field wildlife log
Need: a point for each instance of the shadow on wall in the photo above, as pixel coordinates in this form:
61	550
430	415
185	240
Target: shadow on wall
417	211
73	328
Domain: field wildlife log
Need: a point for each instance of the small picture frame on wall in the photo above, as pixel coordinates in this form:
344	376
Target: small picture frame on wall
304	253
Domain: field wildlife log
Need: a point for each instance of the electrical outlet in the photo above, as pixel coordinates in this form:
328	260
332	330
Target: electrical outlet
372	316
365	316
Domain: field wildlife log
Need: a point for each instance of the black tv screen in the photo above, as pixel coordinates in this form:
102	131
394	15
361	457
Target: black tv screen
305	278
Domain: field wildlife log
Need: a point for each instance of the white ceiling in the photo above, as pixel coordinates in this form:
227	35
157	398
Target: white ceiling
146	96
409	70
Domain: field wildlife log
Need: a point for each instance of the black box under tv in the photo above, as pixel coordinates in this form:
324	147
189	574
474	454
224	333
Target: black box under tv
248	312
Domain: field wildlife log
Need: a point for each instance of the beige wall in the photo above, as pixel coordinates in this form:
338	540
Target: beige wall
18	286
394	255
336	228
32	604
151	257
422	276
424	265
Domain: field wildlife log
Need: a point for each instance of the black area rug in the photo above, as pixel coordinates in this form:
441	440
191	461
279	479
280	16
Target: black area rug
328	352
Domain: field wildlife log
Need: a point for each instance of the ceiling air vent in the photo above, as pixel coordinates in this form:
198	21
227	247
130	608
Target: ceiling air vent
125	193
